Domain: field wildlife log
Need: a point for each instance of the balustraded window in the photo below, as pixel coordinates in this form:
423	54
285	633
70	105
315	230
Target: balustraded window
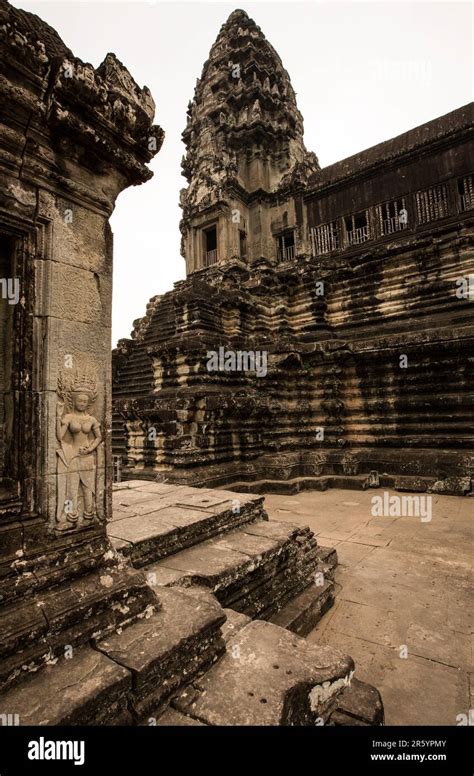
357	228
286	246
210	246
325	238
466	192
391	216
432	204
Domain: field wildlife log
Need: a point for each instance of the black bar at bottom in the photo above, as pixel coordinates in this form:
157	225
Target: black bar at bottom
64	750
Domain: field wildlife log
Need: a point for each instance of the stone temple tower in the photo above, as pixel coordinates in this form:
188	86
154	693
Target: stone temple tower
246	159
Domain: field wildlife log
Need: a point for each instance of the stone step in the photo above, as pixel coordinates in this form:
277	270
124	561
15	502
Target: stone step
306	609
85	689
167	650
295	485
412	484
327	557
154	520
121	678
360	704
69	615
173	718
361	715
255	570
268	676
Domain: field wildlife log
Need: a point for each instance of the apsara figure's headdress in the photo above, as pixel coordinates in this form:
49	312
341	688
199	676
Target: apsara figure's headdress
70	382
86	383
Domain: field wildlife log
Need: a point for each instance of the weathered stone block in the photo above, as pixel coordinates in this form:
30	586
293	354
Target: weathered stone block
86	689
268	677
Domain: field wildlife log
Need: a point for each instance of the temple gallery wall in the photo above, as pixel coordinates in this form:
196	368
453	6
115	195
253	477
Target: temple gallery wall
352	282
322	338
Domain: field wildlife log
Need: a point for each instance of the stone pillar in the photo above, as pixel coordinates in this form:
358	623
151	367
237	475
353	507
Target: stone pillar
71	139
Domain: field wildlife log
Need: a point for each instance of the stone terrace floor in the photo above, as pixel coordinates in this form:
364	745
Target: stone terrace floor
400	582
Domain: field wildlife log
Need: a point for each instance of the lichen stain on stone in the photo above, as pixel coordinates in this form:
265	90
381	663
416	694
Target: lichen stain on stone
122	609
25	575
32	667
321	693
147	612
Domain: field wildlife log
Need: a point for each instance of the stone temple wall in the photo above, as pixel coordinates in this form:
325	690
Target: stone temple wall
366	318
334	364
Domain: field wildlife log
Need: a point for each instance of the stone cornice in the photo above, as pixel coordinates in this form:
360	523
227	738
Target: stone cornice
49	94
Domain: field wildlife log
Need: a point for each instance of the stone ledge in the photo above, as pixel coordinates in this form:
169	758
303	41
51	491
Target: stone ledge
168	649
153	521
70	614
360	704
87	689
305	610
255	569
268	677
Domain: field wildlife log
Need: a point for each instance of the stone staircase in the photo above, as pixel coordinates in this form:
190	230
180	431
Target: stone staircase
35	631
219	546
203	646
187	664
224	541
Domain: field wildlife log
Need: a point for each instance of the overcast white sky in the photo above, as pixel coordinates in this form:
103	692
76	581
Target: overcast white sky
363	72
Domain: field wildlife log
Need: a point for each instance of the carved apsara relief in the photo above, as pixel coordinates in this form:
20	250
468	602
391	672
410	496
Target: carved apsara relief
78	433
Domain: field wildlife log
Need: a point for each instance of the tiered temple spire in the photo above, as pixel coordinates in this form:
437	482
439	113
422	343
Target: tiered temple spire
244	136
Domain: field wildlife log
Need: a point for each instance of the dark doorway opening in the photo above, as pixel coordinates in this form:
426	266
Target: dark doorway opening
242	245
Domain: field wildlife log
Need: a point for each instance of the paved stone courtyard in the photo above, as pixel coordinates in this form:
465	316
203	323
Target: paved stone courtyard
400	582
